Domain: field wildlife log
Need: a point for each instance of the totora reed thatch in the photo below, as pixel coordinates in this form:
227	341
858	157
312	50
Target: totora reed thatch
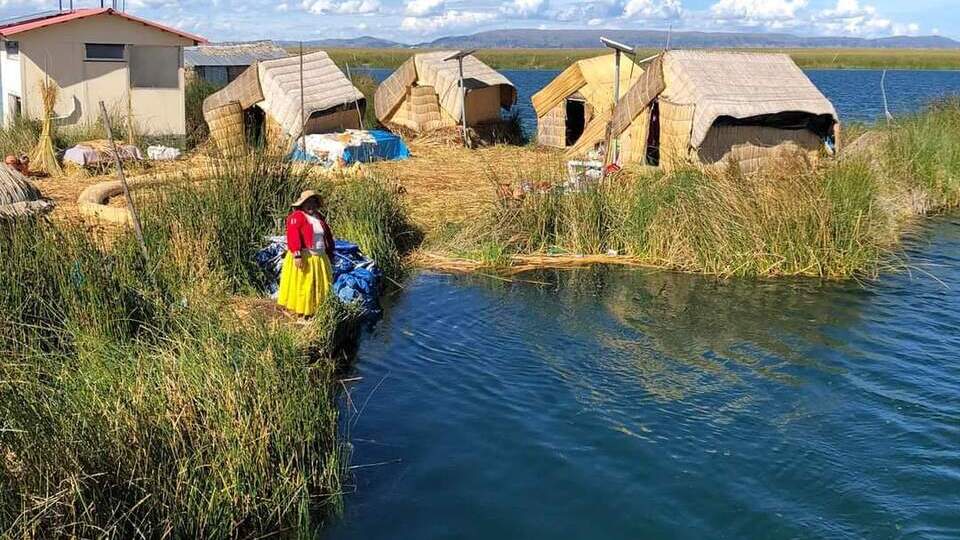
44	157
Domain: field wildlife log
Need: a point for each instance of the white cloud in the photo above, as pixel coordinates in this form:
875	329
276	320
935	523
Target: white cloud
349	7
598	10
450	19
849	17
525	9
909	29
652	9
753	12
420	8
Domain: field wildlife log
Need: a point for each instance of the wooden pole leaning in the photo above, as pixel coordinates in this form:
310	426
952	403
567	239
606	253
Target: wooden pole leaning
134	214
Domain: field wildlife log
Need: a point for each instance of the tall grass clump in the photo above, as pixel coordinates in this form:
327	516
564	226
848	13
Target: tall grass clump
799	220
225	218
196	91
214	227
923	152
369	211
19	137
134	402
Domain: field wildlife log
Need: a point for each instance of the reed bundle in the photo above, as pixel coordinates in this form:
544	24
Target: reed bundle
44	157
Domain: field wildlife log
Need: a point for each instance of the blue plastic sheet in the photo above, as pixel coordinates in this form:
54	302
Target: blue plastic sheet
386	146
356	278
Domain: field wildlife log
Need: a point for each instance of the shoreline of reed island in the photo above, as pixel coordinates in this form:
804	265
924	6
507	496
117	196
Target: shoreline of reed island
837	218
160	397
559	59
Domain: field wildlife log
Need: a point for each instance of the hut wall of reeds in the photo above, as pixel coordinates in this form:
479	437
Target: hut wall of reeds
552	128
589	81
424	93
709	107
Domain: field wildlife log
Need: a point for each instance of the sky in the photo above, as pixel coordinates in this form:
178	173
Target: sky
416	21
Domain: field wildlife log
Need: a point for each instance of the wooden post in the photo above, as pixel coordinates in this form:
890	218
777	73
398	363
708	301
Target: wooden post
616	98
134	215
613	151
303	119
463	104
463	91
357	103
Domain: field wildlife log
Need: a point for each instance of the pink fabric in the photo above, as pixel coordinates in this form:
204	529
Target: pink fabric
86	156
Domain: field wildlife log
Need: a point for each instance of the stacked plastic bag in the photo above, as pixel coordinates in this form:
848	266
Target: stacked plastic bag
356	278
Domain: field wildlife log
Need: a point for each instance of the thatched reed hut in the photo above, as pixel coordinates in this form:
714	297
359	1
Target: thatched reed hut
330	101
18	197
709	107
575	97
424	93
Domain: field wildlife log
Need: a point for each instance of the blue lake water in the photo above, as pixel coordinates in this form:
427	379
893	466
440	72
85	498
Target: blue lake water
855	93
611	403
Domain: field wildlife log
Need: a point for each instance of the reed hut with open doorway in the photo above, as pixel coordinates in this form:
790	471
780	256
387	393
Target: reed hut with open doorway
268	94
424	93
710	108
575	97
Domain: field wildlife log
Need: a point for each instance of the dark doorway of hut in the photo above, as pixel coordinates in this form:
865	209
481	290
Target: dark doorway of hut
576	120
255	121
653	139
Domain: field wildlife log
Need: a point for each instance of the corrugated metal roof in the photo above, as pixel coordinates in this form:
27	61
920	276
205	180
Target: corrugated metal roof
232	54
45	19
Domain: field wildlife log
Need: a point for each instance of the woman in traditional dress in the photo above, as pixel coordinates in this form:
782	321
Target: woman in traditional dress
307	275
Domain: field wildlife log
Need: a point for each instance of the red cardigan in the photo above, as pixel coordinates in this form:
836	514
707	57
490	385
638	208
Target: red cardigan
300	233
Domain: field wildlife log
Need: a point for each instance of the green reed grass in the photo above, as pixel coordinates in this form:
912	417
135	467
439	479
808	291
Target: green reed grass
134	402
195	92
837	218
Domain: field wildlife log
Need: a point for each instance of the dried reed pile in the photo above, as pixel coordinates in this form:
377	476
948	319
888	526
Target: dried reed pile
44	157
451	184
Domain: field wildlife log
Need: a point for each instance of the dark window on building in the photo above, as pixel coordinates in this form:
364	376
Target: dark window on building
16	110
13	49
154	67
104	52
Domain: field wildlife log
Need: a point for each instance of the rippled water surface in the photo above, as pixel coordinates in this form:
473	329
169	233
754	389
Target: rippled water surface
610	403
855	93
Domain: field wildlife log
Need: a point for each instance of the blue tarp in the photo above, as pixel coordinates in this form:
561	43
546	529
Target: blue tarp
387	147
384	146
356	278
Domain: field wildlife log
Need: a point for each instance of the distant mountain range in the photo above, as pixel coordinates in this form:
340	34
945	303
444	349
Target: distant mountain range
590	39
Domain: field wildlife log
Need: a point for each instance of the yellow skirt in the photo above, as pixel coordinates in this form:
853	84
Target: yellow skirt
302	291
